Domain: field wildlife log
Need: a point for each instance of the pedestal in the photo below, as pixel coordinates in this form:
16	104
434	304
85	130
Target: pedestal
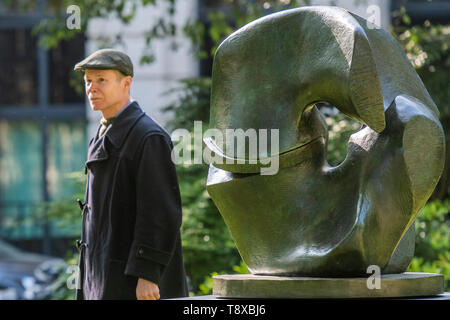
408	284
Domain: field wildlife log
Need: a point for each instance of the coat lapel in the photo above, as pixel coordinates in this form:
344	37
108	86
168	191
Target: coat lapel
97	150
116	133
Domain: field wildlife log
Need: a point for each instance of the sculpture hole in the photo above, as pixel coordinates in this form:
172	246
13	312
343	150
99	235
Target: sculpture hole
340	128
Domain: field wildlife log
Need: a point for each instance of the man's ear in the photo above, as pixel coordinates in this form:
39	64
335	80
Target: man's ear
128	81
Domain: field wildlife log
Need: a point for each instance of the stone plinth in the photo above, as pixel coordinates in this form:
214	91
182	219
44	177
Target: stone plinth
408	284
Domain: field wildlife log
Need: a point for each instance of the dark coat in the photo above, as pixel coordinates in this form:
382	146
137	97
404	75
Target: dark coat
132	214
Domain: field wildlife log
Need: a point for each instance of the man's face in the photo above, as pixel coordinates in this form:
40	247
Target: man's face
106	88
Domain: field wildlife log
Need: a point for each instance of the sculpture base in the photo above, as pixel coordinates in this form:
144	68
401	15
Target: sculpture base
408	284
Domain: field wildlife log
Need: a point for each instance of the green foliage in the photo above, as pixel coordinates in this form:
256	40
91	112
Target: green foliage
192	103
432	252
427	46
241	268
206	287
340	127
65	214
66	276
224	17
206	239
53	30
207	243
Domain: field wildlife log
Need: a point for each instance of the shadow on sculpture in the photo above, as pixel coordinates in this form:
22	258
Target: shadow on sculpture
310	219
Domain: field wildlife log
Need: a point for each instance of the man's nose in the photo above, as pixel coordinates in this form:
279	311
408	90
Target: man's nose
91	87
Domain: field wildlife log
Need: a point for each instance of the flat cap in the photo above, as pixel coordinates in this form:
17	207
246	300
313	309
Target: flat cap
106	59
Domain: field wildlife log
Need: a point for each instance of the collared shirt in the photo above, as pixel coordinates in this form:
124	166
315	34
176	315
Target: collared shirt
106	122
131	101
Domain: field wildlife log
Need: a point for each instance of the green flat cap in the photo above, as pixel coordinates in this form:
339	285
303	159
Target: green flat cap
106	59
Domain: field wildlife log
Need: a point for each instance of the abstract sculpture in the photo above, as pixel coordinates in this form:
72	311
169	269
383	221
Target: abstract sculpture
311	219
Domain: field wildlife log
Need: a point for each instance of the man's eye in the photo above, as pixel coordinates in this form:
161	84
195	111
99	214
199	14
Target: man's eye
101	79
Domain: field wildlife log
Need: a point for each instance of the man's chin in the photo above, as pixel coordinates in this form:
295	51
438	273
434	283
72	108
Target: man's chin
96	106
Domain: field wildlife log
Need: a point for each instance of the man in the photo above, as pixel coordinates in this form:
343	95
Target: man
130	245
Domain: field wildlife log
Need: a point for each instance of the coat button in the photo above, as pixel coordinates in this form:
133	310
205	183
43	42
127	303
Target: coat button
140	251
81	204
80	245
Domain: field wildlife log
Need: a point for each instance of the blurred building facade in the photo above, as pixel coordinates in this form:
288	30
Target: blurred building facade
45	124
42	124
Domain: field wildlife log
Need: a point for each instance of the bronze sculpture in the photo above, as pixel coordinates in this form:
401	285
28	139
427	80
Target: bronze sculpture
311	219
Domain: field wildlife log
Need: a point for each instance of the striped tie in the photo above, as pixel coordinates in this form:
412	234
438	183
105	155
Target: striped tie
105	123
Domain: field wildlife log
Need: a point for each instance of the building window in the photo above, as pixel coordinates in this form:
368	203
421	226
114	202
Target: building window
63	79
42	126
18	83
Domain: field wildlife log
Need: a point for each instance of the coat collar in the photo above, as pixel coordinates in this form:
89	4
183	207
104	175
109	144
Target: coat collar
116	133
123	124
